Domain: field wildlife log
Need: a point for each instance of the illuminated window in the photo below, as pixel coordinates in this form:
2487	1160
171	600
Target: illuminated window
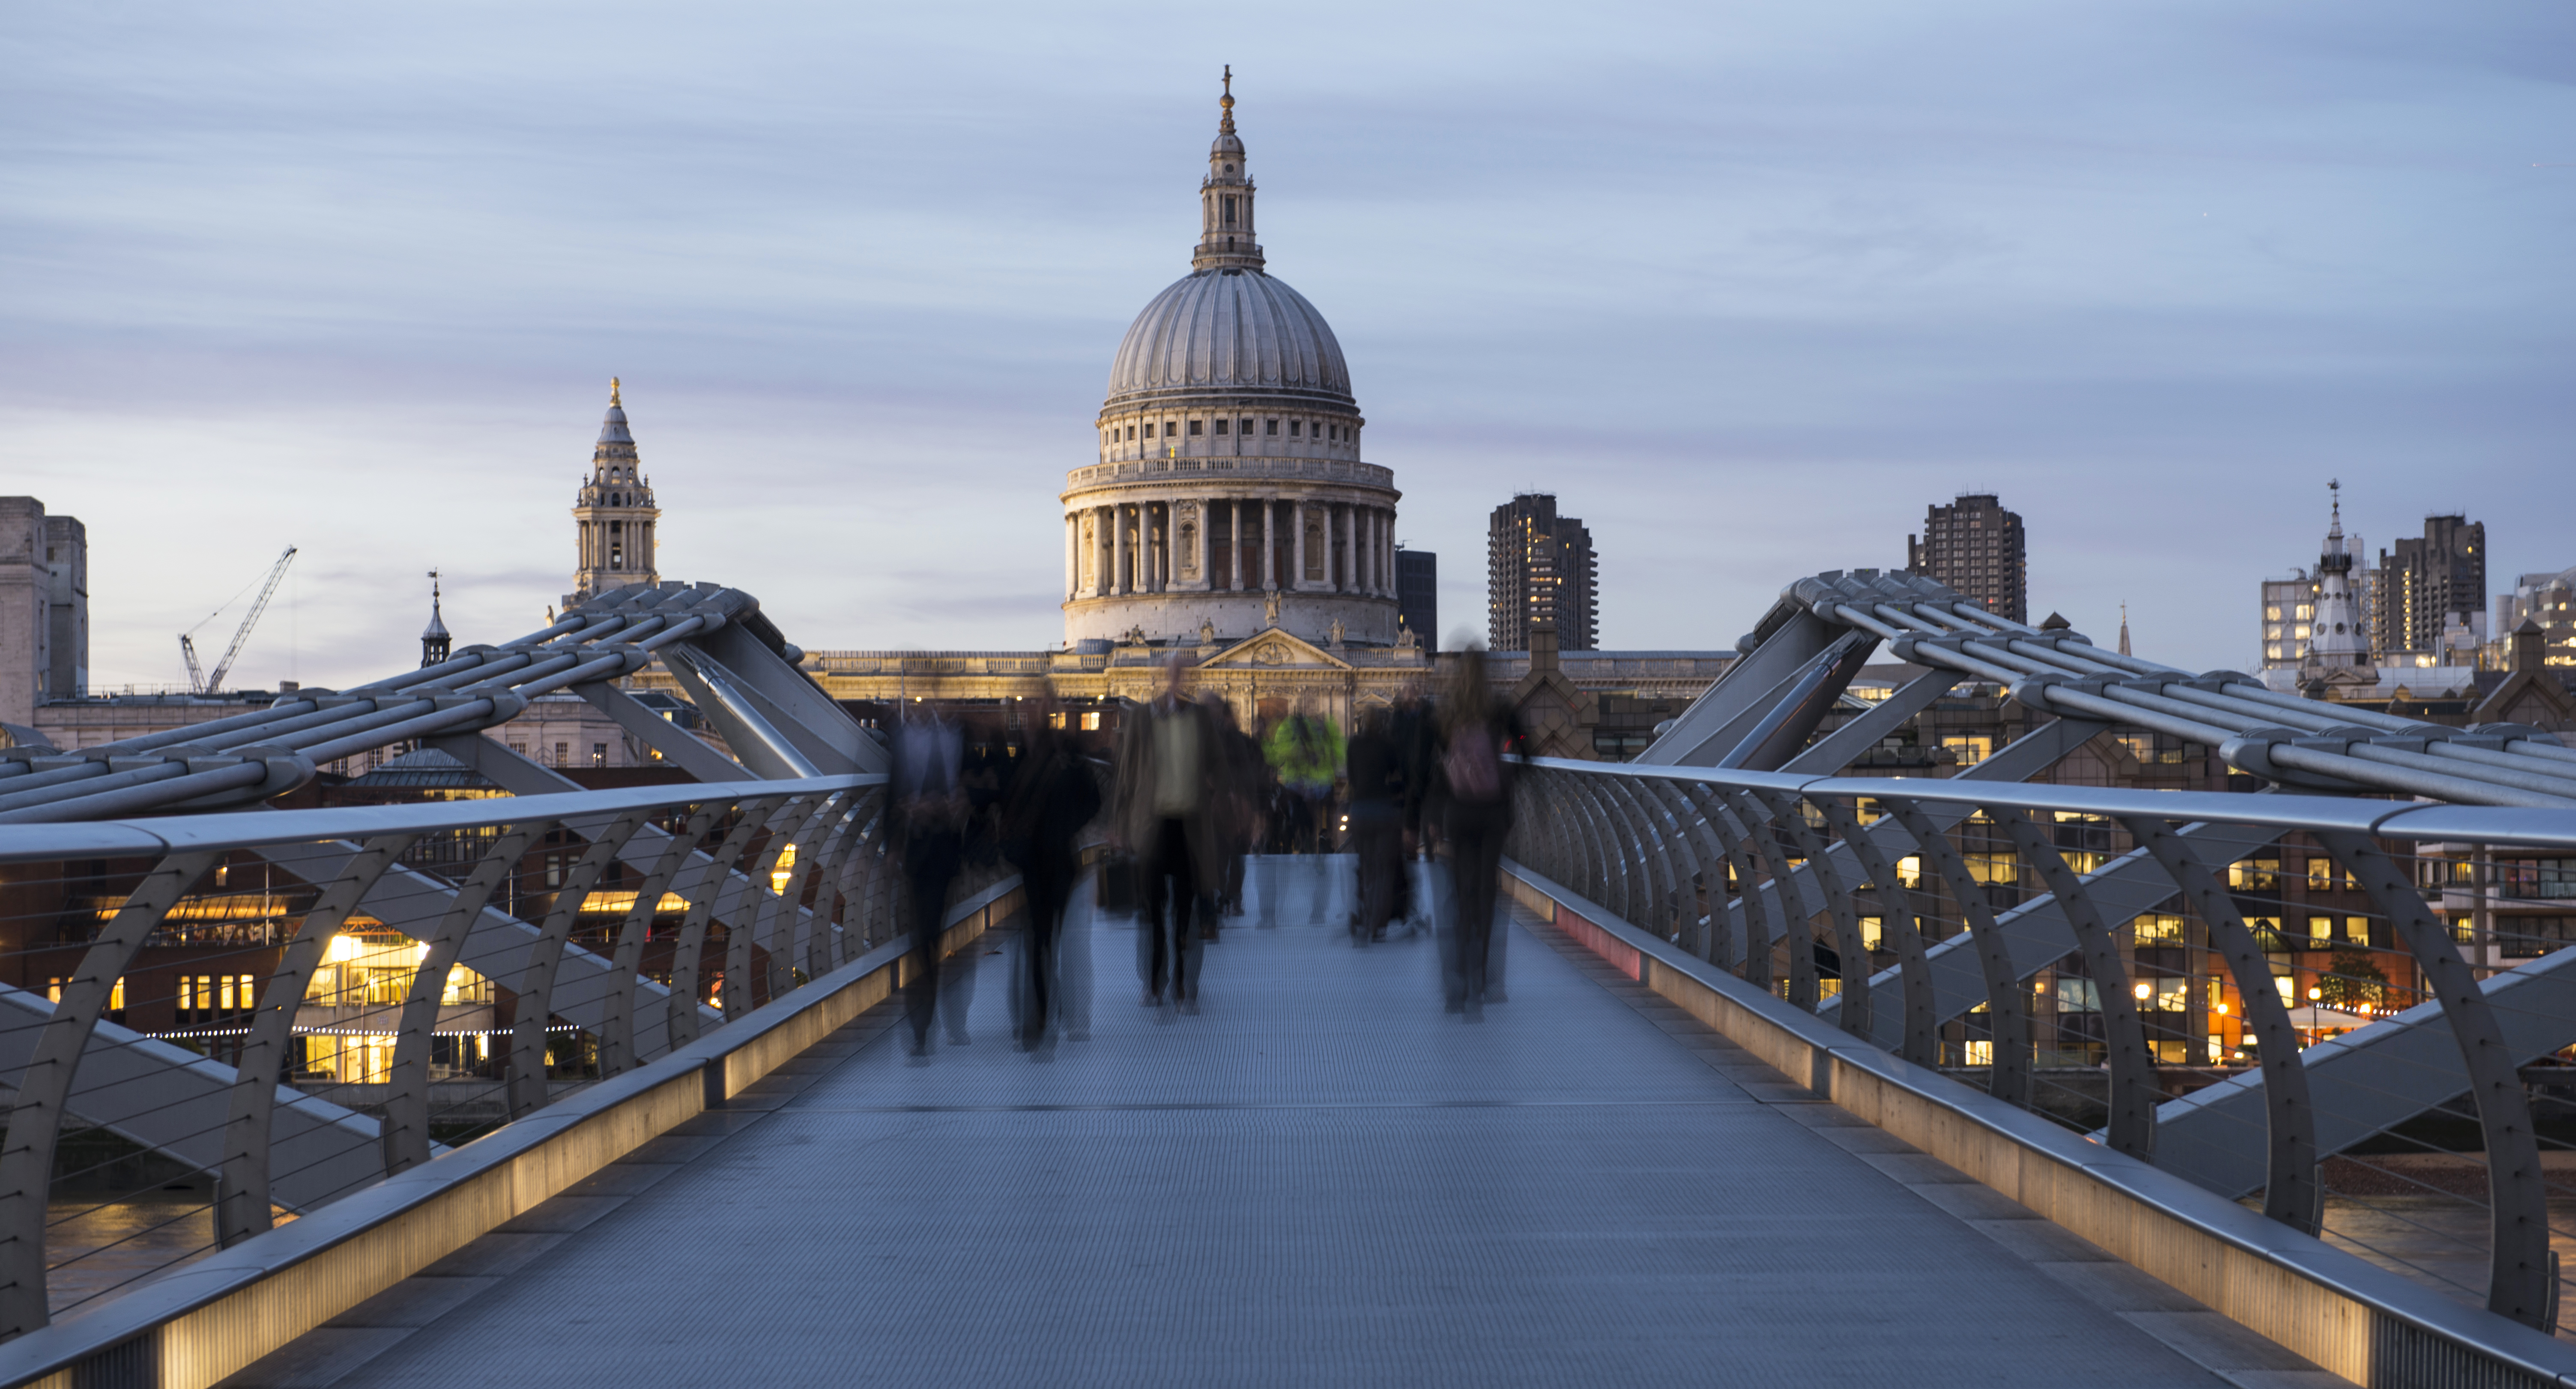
1993	868
1909	871
1969	749
2159	928
599	754
2255	874
1091	722
1873	932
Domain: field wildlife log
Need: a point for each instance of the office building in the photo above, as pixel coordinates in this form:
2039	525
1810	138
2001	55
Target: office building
1975	546
1417	595
2432	591
1539	567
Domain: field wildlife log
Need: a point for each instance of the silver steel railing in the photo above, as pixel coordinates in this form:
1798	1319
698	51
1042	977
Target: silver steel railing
756	885
1920	914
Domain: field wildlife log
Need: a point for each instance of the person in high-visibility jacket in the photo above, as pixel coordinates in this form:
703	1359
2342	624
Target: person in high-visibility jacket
1305	749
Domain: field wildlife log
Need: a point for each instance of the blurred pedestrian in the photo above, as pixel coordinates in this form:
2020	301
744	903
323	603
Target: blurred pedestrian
928	796
1413	726
1376	811
1052	796
1305	749
1169	759
1473	790
1242	780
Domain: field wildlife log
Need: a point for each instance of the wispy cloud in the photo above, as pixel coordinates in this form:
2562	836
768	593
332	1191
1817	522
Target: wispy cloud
1748	286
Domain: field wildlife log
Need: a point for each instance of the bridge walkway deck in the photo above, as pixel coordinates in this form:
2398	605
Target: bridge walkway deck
1321	1178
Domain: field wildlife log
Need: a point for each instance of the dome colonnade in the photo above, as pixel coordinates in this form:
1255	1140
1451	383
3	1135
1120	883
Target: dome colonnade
1229	494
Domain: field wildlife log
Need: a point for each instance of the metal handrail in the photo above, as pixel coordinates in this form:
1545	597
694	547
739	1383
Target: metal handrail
346	855
1615	849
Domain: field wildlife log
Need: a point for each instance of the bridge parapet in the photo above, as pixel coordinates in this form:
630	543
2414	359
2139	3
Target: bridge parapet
1913	918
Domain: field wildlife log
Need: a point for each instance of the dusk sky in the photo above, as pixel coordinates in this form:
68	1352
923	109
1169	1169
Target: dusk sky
1748	285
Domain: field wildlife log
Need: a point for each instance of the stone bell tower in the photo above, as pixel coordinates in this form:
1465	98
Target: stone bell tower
613	514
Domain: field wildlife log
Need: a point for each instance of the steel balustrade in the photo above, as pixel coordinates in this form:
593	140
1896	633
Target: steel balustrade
836	822
1685	826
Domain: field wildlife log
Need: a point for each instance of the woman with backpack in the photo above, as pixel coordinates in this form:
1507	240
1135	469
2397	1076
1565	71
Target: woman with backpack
1472	787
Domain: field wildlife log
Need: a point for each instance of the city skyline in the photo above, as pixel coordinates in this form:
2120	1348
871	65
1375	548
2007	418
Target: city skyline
373	319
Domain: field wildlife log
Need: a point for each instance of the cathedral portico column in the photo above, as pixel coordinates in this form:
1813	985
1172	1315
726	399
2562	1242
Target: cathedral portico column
1234	545
1104	524
1202	550
1351	550
1269	543
1374	541
1297	544
1072	556
1117	550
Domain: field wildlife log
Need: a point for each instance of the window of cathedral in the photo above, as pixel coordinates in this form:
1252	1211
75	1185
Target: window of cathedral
1247	424
1131	431
1195	427
1220	426
1292	427
1270	427
1171	428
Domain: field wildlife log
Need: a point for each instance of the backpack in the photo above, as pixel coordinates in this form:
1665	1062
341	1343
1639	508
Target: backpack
1473	765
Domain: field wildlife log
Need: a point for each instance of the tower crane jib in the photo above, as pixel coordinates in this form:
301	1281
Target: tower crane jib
209	682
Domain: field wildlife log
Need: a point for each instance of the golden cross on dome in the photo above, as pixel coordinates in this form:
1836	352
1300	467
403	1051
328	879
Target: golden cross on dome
612	391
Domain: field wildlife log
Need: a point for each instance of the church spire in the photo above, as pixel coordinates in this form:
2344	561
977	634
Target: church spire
2336	640
1225	198
433	638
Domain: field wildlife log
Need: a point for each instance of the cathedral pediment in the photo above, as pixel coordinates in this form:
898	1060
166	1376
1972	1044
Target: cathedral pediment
1274	650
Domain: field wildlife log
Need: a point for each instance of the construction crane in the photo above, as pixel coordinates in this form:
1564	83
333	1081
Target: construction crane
202	682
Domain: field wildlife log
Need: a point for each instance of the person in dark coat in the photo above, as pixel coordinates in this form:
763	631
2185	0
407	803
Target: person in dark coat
1473	791
1169	762
1052	796
1376	810
927	794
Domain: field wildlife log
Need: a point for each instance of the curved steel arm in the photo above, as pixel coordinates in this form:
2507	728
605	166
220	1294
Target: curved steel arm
527	1090
762	907
35	1121
1853	1016
716	871
2519	1281
617	1029
1796	920
2007	1014
1921	1043
406	1131
2134	1087
242	1202
2291	1192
